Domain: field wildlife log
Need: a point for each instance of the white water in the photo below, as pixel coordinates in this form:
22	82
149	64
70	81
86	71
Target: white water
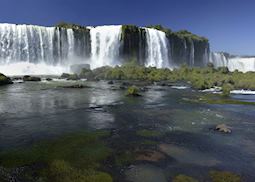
105	46
243	92
35	50
26	68
237	63
157	51
29	49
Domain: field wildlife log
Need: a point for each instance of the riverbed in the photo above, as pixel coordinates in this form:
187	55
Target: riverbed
162	120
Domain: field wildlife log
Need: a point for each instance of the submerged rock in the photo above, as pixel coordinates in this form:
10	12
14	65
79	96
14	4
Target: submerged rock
48	79
4	80
150	156
223	128
28	78
110	82
74	86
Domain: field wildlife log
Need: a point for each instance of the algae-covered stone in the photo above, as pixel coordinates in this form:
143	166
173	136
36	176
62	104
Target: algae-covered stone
224	176
184	178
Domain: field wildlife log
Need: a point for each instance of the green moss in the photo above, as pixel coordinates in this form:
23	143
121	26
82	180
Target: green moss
148	133
72	158
184	178
124	158
223	176
133	91
81	150
61	171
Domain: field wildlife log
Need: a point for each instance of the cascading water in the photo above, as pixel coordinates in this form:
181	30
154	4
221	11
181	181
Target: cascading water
105	45
25	49
157	49
243	64
192	54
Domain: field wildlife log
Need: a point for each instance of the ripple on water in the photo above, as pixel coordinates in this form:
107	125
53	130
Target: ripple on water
185	155
145	173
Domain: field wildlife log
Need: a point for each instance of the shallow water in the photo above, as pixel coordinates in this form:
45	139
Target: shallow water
30	112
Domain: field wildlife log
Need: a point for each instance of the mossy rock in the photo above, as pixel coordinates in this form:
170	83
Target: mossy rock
4	80
224	176
133	91
184	178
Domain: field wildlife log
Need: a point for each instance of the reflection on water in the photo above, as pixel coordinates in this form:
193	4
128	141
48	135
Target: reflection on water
33	111
146	173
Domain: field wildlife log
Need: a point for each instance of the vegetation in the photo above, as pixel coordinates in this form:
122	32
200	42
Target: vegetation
184	178
70	26
187	34
199	78
148	133
73	158
222	176
181	34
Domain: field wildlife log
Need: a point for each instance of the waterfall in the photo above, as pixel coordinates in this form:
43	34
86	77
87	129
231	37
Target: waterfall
192	54
30	46
157	49
105	46
243	64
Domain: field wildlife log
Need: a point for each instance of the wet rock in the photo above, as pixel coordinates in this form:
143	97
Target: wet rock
48	79
125	84
4	80
223	128
110	82
28	78
75	86
69	76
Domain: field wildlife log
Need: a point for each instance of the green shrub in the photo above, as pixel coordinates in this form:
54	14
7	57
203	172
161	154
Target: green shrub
226	89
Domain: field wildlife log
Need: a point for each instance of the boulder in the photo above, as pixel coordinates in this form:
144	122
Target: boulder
70	76
77	68
110	82
223	128
133	91
31	78
48	79
4	80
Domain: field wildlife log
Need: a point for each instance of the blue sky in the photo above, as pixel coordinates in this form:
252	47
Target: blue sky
229	24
